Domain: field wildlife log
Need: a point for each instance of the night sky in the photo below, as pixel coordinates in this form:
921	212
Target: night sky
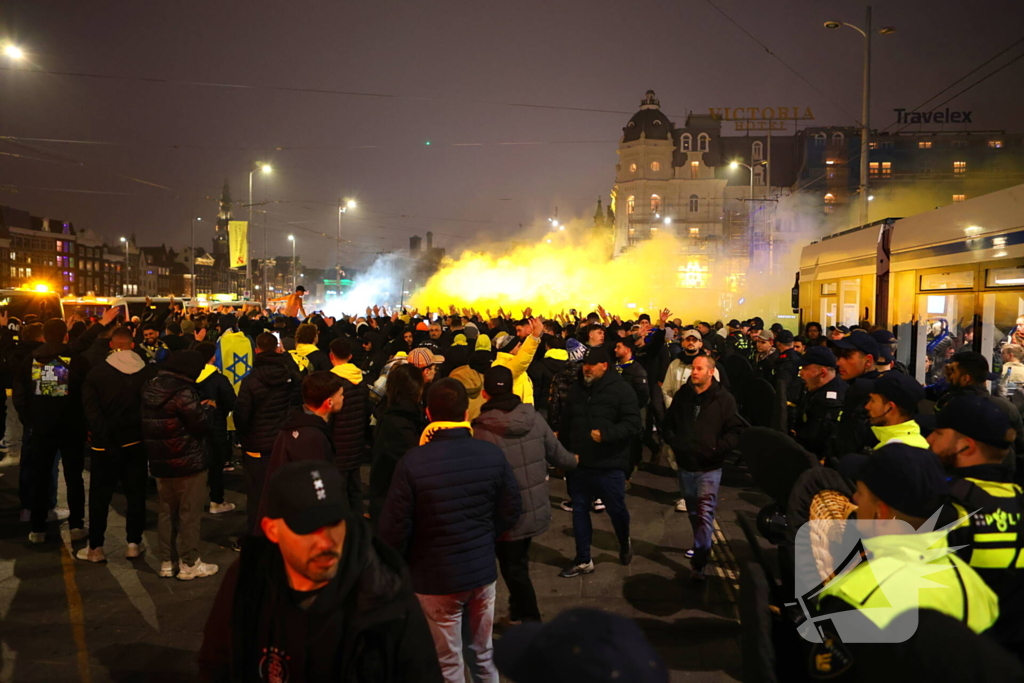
453	68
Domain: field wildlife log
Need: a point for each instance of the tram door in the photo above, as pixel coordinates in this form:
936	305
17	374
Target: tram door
947	325
1000	313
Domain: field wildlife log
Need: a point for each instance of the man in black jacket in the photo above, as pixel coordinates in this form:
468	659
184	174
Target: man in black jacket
348	425
855	360
265	397
702	426
636	377
175	424
112	398
216	391
815	417
318	599
600	419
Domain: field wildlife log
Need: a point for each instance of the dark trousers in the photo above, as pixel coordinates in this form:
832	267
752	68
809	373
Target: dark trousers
42	450
220	453
255	476
514	561
610	487
125	464
353	490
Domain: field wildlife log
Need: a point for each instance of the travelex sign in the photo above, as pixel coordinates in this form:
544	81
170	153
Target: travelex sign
945	116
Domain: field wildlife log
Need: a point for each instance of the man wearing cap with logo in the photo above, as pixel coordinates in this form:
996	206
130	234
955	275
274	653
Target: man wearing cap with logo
600	418
972	439
906	564
317	597
855	360
891	407
678	372
815	418
765	354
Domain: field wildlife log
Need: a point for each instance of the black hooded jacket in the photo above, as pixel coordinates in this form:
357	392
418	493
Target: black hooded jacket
174	425
365	625
112	398
398	430
348	425
702	428
265	397
47	390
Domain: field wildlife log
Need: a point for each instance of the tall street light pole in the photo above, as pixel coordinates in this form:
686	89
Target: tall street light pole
265	168
865	108
343	206
192	259
127	268
295	282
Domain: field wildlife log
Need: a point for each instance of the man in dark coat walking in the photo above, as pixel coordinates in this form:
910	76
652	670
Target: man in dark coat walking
600	419
349	425
703	427
450	499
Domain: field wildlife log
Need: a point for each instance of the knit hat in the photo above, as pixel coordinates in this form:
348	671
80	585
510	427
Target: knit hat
472	331
575	349
501	339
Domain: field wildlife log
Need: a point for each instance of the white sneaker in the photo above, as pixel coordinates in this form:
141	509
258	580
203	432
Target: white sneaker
57	514
681	505
566	505
79	534
218	508
598	505
91	554
134	550
197	571
167	569
37	537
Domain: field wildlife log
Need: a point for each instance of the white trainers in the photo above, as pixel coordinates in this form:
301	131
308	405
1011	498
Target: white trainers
37	537
681	505
134	550
57	514
167	569
219	508
598	505
197	571
91	554
79	534
566	505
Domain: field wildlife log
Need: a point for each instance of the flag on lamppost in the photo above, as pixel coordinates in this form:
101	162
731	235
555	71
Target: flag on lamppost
238	241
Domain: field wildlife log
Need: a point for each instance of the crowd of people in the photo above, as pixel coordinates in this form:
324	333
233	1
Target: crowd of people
463	416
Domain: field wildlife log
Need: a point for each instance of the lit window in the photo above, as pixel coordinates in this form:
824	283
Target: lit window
757	150
632	168
924	145
655	203
694	170
886	169
830	203
28	272
873	169
703	142
694	231
872	145
837	139
995	144
685	142
60	246
630	204
694	203
655	166
14	256
959	197
959	167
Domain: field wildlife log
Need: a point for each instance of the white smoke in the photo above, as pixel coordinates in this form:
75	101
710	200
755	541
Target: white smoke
380	284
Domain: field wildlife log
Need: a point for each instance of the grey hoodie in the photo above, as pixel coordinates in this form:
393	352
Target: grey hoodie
529	445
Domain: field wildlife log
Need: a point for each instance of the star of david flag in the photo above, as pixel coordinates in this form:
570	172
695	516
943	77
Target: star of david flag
234	357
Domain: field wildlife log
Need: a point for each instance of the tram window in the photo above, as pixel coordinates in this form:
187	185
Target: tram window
1004	277
936	305
963	279
949	320
828	288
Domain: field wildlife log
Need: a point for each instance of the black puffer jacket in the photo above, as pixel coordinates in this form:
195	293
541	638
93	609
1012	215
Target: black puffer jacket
348	426
398	430
609	405
174	426
264	399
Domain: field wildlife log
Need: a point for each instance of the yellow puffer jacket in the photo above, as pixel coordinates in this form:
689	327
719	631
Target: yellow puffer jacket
522	385
474	383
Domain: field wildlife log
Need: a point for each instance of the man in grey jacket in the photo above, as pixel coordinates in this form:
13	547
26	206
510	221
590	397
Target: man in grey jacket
529	445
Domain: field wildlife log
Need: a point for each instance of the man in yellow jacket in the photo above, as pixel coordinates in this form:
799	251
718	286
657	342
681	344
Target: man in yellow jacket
518	360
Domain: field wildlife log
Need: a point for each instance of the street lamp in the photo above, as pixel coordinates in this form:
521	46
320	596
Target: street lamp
265	168
865	109
343	206
736	164
192	259
127	268
14	52
295	268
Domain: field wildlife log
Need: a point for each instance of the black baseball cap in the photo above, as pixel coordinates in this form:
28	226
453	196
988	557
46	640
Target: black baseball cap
818	355
976	417
300	288
784	336
498	380
580	644
883	336
901	389
308	495
595	356
733	323
858	340
908	479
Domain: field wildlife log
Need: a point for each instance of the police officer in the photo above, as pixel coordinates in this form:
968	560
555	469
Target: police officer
972	439
887	347
787	367
737	342
892	404
855	360
814	419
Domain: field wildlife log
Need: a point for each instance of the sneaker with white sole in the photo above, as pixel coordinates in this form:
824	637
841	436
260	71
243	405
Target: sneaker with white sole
167	569
197	571
219	508
566	505
688	554
598	505
37	537
79	534
577	569
681	505
91	555
134	550
3	444
58	514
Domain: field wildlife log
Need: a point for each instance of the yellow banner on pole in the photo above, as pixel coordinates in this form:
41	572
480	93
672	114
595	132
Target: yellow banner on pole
238	241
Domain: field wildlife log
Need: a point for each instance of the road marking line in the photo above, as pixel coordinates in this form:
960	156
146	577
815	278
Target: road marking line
75	614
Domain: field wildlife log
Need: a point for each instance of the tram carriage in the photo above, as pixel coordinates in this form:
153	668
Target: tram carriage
943	280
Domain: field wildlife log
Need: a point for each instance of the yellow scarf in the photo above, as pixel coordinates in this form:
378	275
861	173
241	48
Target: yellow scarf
435	427
305	349
207	371
349	372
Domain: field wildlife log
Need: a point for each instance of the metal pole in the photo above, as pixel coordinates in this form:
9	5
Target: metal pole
337	254
865	115
266	293
248	231
192	258
295	269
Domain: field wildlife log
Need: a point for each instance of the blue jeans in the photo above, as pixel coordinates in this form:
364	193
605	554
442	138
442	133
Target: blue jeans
610	487
444	615
700	491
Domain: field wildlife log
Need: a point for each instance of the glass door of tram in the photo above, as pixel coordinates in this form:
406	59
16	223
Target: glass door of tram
1002	318
947	325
